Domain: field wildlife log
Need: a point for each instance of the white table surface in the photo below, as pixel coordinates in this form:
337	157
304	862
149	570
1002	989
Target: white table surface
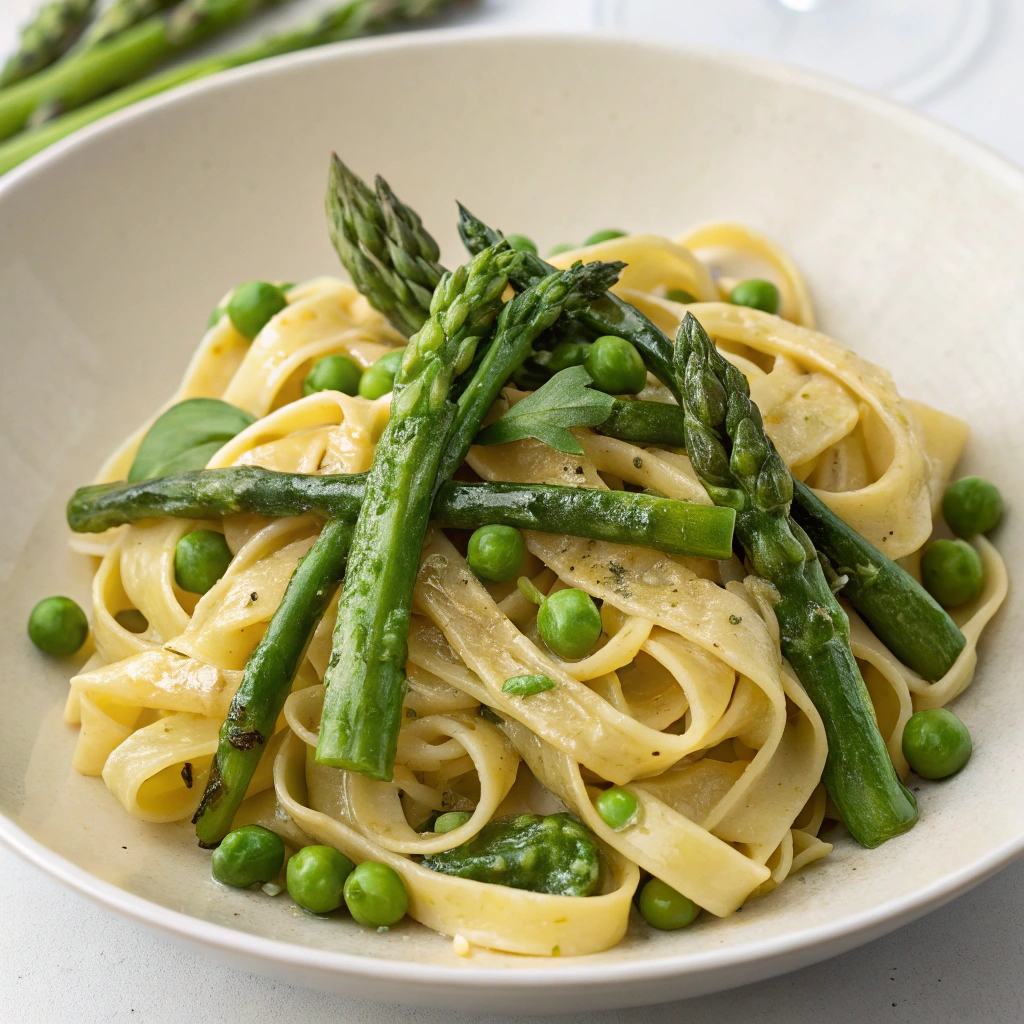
63	959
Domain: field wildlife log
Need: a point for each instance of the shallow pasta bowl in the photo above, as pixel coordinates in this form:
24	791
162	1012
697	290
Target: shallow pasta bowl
116	244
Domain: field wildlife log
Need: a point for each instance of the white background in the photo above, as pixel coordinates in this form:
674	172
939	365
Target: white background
62	959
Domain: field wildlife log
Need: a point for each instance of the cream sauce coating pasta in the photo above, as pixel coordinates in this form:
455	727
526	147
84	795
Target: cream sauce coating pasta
686	701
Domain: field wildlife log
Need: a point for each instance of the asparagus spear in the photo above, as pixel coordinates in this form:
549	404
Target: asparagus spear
622	517
896	607
117	18
383	245
267	680
365	679
740	468
133	53
46	38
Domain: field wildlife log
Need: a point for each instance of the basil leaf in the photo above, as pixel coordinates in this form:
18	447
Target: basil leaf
567	400
187	436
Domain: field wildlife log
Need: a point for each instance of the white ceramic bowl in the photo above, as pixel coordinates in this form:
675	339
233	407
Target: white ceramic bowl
114	247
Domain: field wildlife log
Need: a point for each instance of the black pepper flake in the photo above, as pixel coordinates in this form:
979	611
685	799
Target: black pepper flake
638	462
579	471
186	774
254	596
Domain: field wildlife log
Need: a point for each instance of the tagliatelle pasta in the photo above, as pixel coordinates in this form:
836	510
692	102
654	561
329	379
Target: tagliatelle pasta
685	702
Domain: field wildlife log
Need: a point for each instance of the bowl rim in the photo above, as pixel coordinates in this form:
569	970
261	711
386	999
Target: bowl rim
775	955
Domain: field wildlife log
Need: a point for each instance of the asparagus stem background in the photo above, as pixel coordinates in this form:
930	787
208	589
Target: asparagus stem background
622	517
740	468
117	18
267	680
365	679
46	38
105	72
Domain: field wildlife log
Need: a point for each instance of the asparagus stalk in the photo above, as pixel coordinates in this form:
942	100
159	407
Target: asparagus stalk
383	245
267	680
895	606
133	53
365	679
118	17
46	38
740	468
622	517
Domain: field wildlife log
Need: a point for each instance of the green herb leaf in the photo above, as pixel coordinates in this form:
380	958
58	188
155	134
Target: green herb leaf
527	686
187	436
567	400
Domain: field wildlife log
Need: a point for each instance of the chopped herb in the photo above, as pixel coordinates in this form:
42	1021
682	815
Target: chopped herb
527	686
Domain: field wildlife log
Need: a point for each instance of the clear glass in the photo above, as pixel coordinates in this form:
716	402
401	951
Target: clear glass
904	48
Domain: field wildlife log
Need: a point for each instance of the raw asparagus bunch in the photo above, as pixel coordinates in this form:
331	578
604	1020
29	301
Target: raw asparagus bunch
365	679
46	38
118	17
740	468
383	245
267	680
132	54
896	607
622	517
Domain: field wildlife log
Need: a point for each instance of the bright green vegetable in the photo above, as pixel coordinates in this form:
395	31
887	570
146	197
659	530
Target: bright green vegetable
134	52
569	623
375	895
971	506
556	854
496	553
555	250
618	808
756	294
379	379
50	34
187	436
522	243
57	625
664	908
739	467
936	743
616	366
606	235
267	680
253	304
951	571
333	373
317	876
527	686
200	559
248	855
568	399
566	354
679	295
117	17
622	517
451	820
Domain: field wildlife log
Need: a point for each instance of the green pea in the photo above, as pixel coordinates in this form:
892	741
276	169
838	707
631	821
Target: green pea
333	373
618	808
58	626
496	553
616	366
756	294
375	895
217	314
555	250
664	908
605	235
569	623
451	820
200	559
971	506
566	354
522	243
951	572
379	379
316	878
680	295
248	855
253	304
527	686
936	743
